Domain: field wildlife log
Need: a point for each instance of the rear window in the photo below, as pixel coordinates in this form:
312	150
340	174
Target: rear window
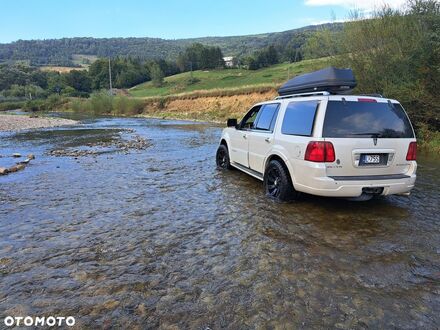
366	119
299	118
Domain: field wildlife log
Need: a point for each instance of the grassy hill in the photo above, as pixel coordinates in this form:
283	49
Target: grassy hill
227	79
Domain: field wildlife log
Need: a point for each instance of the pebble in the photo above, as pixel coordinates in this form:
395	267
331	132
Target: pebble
137	143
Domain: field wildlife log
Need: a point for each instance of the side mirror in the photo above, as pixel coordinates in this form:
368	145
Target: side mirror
232	122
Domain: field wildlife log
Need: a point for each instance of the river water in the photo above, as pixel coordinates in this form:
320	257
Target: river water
157	237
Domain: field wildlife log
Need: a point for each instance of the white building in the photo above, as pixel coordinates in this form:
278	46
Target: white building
229	61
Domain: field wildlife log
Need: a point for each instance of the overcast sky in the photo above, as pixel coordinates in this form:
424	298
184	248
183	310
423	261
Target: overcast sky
170	19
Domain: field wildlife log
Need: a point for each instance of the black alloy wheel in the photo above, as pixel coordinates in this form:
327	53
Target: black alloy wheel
222	158
277	182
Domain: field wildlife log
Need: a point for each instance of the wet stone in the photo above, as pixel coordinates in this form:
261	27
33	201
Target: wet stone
101	147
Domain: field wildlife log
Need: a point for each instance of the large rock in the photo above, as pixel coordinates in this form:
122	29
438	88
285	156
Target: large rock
16	168
3	171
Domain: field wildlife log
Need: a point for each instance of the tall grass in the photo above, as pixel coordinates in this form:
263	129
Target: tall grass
215	92
102	104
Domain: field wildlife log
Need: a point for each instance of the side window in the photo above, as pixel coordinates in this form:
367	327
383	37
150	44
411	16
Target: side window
299	118
249	119
266	117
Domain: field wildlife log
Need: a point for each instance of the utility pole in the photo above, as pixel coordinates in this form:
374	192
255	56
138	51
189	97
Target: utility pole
110	76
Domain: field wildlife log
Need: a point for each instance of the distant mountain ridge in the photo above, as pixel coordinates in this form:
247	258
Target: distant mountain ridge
61	51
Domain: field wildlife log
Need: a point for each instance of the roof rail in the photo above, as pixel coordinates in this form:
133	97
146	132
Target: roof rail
301	94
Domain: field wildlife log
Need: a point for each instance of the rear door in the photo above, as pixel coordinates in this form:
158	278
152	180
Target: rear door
370	137
261	136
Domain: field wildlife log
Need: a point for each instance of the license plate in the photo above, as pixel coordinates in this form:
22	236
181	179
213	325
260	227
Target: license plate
372	159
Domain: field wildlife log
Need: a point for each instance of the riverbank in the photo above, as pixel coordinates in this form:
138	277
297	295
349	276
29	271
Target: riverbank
22	122
214	106
210	108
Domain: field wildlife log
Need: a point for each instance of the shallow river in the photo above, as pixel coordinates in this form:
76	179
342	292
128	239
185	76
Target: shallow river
157	237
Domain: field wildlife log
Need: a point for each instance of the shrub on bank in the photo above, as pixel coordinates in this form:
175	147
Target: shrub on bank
428	140
104	104
4	106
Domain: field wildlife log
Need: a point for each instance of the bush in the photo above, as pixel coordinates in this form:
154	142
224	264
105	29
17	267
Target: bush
127	106
4	106
34	105
103	103
395	53
428	139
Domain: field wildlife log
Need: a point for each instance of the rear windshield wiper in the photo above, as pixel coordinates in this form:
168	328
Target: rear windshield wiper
373	135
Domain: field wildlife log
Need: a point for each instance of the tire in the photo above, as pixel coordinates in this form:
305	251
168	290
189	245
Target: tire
277	182
222	158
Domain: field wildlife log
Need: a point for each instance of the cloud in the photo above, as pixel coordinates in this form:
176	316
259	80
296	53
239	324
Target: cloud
314	21
359	4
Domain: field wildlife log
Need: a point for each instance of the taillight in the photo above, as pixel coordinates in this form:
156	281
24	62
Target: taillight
320	152
412	151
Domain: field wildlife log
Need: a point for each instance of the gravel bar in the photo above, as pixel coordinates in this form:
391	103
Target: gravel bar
21	122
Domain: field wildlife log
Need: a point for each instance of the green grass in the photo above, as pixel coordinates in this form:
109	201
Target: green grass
227	78
80	58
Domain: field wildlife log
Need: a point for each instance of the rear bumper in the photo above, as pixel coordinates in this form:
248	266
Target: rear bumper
352	186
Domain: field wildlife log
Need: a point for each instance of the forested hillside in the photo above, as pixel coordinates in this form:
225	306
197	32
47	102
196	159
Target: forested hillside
61	51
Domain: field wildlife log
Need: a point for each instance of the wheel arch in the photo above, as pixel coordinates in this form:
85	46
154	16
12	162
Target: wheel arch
281	158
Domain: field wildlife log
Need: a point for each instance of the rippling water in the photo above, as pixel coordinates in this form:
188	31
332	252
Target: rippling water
160	238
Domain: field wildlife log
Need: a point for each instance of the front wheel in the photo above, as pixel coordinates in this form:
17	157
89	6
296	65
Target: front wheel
222	158
277	182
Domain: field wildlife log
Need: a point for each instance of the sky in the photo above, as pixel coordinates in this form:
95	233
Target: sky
169	19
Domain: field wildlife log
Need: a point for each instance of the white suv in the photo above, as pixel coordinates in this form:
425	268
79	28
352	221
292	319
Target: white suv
324	144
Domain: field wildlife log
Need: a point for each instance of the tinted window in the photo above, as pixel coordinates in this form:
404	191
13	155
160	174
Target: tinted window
366	119
248	120
299	118
266	117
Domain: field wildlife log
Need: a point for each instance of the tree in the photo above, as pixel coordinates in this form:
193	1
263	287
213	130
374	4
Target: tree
397	53
263	58
79	80
200	57
156	74
322	43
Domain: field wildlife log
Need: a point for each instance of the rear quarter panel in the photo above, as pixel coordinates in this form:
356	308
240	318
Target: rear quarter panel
292	148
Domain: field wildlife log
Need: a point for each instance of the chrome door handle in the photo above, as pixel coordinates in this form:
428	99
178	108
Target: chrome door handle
267	140
244	136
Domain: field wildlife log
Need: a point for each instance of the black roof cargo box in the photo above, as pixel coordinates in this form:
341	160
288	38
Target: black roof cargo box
332	80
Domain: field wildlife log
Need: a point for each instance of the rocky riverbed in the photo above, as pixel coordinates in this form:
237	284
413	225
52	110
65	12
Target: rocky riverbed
21	122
